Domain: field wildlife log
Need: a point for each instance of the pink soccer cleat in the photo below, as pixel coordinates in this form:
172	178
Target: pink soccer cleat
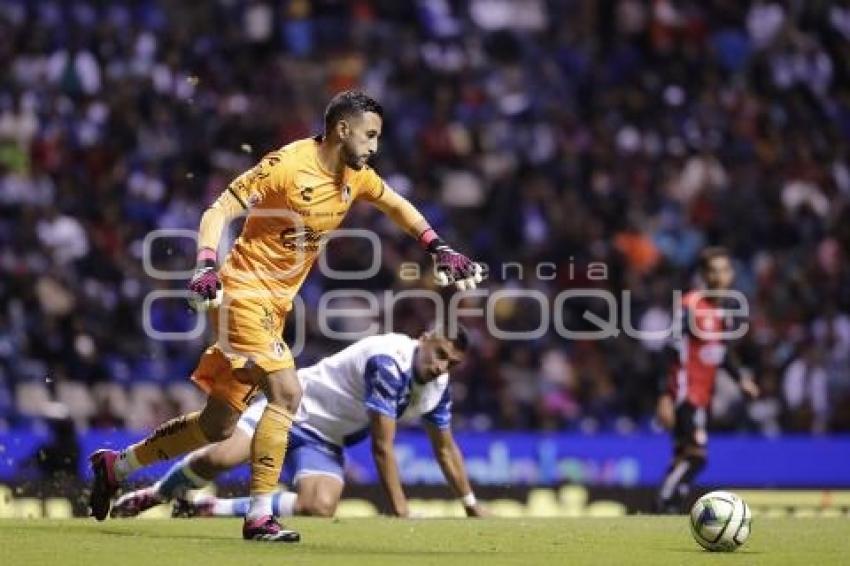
105	484
136	502
267	529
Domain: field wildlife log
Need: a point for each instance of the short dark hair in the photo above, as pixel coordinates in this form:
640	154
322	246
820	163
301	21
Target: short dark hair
711	253
460	340
348	103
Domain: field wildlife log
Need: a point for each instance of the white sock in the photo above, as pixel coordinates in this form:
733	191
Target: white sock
261	506
126	463
225	507
284	503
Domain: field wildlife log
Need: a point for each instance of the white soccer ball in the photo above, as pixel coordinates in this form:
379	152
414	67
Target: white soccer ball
200	304
720	521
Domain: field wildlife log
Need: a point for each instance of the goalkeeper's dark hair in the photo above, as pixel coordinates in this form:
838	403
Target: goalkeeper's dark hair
711	253
349	103
461	340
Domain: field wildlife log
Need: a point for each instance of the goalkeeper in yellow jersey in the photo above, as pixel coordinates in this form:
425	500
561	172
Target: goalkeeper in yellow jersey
294	197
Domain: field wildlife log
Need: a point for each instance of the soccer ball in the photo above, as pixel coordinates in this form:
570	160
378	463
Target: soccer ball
720	521
200	304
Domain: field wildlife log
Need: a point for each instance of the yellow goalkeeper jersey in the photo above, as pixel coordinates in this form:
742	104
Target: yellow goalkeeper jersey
293	204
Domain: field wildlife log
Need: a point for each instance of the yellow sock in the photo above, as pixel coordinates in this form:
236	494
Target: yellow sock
268	448
173	438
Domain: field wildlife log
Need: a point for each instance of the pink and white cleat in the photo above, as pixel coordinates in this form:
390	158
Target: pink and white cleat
267	529
133	503
105	484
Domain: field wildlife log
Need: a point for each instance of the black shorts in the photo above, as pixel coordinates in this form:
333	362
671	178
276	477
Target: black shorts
691	428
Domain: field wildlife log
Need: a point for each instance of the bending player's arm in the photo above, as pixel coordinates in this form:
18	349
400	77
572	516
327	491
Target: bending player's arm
384	387
452	267
382	429
450	458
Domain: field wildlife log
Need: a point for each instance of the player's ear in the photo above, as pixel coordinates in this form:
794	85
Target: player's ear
343	129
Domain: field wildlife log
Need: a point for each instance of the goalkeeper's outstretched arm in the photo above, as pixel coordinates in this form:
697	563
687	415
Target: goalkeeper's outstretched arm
452	267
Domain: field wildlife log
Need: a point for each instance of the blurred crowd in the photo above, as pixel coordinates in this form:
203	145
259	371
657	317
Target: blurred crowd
562	133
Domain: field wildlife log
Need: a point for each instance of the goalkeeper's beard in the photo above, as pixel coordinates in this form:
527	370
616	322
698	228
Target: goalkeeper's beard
350	158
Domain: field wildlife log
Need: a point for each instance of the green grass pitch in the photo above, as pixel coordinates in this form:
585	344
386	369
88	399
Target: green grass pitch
352	542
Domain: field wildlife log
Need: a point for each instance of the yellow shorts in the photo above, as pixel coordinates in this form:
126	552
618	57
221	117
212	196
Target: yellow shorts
249	336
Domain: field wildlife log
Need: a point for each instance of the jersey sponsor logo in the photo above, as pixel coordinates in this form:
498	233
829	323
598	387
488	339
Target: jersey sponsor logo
307	193
307	240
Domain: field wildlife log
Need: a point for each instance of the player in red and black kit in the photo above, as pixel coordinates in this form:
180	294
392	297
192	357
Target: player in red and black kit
688	387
